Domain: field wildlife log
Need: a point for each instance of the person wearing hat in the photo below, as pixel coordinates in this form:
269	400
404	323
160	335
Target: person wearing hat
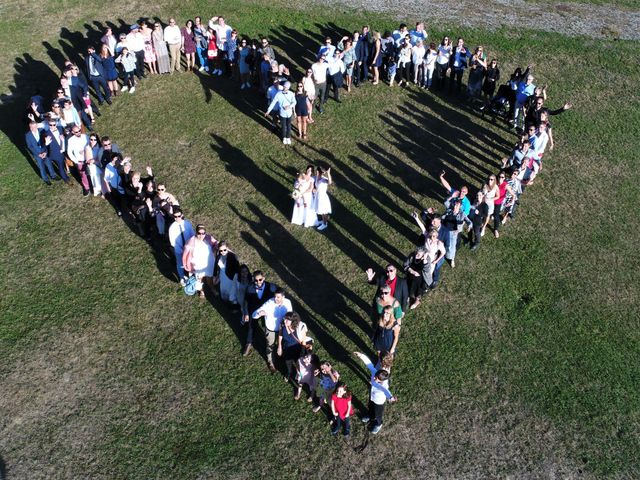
135	42
285	101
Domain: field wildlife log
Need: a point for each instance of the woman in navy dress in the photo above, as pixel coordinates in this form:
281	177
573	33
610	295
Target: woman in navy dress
110	71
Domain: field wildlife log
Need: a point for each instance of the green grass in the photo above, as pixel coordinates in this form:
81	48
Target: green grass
523	363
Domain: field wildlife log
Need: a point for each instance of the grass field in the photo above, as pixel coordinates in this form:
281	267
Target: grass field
523	364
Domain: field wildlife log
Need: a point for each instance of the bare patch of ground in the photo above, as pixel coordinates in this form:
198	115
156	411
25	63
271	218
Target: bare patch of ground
573	19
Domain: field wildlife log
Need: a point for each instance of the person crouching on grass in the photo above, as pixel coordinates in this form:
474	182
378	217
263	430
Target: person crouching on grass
379	394
342	410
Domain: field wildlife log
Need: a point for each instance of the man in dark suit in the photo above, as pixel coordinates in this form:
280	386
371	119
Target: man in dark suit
97	76
399	288
37	145
56	148
361	68
257	294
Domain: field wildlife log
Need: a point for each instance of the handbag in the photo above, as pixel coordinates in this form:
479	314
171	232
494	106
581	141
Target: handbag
190	285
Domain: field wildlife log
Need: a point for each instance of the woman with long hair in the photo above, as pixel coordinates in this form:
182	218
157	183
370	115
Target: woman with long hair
149	52
387	332
376	57
110	70
302	111
491	192
188	46
442	61
160	48
309	88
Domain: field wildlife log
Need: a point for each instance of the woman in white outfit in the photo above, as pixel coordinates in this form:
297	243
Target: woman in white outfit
491	192
323	202
94	170
308	198
429	65
300	186
198	257
417	56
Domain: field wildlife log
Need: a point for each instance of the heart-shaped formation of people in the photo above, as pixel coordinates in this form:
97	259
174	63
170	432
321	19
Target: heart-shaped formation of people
57	137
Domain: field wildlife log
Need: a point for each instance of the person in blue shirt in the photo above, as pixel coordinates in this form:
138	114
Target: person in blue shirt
285	101
418	34
457	63
524	89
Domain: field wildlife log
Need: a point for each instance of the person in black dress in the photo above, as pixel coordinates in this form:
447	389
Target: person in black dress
302	111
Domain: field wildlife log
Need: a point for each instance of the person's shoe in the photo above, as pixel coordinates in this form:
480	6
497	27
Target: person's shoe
474	247
284	141
376	429
365	419
317	408
100	102
497	234
109	102
247	349
243	86
124	88
56	178
415	304
85	194
323	226
133	89
201	69
272	368
48	182
183	282
483	232
334	432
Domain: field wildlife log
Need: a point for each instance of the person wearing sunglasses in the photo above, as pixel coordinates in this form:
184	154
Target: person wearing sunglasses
225	273
198	258
257	293
180	232
390	287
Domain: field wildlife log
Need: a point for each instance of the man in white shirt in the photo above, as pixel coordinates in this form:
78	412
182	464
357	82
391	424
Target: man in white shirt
173	37
113	181
327	49
320	69
223	34
180	232
336	71
75	151
273	311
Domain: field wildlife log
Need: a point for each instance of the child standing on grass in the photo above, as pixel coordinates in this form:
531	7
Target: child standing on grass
342	409
308	370
328	378
128	62
379	394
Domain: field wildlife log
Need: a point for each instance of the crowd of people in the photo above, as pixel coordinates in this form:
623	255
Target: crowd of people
61	137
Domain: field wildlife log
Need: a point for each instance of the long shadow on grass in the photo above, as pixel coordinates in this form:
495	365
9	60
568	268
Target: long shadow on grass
309	280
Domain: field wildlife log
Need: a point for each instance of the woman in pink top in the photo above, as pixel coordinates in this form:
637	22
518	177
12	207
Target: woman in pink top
503	188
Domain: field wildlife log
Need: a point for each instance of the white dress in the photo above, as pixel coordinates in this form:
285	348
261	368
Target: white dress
310	215
297	217
323	203
202	259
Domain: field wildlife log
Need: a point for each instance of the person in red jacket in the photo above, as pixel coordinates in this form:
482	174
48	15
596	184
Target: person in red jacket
342	409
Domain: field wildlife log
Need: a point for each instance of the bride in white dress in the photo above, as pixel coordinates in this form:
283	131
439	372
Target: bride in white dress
303	207
323	202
